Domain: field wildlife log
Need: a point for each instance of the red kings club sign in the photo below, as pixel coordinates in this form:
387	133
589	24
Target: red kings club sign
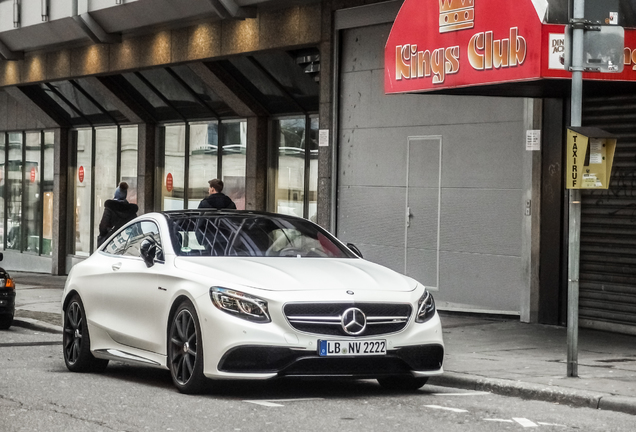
454	43
80	174
439	44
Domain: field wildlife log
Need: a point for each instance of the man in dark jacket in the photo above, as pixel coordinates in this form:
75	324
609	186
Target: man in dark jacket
117	212
217	199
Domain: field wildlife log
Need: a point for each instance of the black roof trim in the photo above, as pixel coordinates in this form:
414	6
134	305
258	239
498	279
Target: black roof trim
180	214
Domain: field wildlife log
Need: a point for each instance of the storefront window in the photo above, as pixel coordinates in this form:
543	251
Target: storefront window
3	176
290	180
32	175
83	192
234	161
129	152
313	171
14	189
47	198
105	171
204	144
172	192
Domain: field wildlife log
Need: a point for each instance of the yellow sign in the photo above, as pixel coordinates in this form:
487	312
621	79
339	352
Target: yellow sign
589	159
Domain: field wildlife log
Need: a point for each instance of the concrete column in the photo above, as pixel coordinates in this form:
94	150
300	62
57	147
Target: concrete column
531	238
256	164
61	174
146	167
326	177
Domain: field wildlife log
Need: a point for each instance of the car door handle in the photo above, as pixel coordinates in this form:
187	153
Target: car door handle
116	266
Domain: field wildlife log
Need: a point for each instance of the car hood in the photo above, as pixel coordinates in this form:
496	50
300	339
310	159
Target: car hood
294	274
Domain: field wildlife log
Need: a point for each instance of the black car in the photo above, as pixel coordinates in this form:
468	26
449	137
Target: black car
7	298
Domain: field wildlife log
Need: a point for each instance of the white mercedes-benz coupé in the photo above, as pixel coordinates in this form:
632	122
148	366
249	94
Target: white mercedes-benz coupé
246	295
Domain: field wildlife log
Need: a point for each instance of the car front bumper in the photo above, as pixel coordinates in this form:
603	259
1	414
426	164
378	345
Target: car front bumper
238	349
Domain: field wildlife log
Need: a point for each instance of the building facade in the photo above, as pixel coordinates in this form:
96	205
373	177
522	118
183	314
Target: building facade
285	101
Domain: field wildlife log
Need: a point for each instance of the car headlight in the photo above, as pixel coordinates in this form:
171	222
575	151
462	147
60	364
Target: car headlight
240	304
425	307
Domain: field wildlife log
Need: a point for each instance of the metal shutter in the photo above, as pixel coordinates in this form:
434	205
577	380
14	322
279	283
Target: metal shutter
608	225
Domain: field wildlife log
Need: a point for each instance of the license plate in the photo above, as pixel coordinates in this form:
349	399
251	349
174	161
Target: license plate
332	348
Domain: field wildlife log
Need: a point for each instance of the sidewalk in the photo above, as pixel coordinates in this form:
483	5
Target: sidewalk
483	353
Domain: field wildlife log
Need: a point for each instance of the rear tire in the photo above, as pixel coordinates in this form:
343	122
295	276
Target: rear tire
402	382
185	350
76	341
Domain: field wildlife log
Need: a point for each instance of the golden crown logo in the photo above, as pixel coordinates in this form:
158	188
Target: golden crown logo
456	15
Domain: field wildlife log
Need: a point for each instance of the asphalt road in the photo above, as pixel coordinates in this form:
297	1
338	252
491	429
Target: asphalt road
37	393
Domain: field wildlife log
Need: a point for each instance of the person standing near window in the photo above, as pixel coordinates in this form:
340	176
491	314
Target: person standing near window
217	199
117	212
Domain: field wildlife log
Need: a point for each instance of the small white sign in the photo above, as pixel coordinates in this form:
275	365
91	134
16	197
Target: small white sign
533	140
557	51
596	151
323	138
613	18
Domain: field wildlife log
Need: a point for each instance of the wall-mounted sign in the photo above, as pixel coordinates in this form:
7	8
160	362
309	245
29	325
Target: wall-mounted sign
455	43
590	155
441	44
80	174
169	182
33	173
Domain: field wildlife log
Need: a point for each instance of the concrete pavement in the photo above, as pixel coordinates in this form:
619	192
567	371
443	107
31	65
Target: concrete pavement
484	353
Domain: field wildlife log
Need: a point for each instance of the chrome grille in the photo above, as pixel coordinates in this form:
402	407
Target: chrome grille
325	318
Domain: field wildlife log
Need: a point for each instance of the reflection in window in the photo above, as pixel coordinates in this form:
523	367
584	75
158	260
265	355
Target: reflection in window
83	192
129	152
312	209
204	144
32	175
128	242
289	136
47	198
296	192
105	171
234	159
173	168
14	190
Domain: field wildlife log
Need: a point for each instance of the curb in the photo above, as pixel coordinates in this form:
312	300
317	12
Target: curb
577	398
38	325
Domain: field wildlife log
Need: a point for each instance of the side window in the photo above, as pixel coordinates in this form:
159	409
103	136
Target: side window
128	242
118	244
138	233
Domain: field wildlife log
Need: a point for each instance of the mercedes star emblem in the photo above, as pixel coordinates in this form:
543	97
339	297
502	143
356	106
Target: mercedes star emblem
353	321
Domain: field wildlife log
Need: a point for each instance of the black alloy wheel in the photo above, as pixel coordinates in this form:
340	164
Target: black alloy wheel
76	340
402	383
185	350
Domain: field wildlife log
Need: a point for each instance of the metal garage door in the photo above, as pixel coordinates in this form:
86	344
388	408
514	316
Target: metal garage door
608	225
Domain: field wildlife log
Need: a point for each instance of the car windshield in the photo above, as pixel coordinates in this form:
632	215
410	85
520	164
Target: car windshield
253	236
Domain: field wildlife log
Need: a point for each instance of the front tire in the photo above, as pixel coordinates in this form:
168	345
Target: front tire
76	341
185	350
404	383
5	321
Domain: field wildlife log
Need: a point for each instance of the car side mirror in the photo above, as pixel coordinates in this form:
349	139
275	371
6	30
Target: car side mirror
148	252
354	249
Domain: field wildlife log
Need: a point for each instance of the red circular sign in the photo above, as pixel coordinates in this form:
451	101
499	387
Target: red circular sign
80	174
32	174
169	183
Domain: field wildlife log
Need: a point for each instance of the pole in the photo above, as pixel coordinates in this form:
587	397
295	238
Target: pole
574	207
